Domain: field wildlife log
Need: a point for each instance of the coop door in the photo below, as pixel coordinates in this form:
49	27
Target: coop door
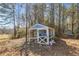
42	37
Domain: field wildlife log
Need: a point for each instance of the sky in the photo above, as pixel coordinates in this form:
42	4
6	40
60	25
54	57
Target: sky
67	5
10	25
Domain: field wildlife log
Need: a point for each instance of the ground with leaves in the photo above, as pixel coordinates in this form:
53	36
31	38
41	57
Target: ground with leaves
63	47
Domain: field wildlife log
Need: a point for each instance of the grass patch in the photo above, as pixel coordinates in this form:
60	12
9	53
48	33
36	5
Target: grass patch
4	37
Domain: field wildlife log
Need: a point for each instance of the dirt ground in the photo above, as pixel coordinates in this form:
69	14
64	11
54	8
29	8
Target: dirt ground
63	47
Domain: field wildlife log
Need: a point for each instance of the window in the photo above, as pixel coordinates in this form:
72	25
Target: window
42	33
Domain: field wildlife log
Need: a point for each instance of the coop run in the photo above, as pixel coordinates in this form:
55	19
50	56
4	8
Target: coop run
41	34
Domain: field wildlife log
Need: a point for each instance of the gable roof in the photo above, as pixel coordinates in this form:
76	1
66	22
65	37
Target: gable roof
39	26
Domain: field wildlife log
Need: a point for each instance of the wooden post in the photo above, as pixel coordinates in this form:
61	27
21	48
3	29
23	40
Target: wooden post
48	36
37	35
53	32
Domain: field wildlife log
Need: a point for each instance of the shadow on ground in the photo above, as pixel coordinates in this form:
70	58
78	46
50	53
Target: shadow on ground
60	48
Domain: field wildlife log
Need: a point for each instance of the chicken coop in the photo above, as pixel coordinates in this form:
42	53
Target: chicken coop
41	34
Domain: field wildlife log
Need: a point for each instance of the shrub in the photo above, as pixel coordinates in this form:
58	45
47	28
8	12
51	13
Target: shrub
21	33
56	38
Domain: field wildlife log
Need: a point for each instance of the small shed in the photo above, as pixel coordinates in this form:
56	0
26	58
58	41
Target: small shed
41	34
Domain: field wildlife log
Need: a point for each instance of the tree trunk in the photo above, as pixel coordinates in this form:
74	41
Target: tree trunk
14	21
